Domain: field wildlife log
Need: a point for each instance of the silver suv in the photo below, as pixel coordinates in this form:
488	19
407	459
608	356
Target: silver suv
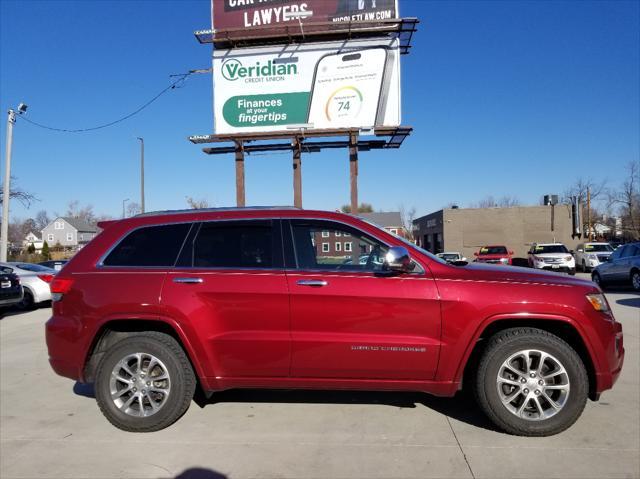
622	267
590	255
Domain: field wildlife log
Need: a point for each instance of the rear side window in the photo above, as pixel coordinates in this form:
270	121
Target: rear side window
149	246
243	244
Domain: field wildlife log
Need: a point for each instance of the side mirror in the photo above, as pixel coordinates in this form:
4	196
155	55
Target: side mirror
571	251
397	259
475	253
579	250
510	253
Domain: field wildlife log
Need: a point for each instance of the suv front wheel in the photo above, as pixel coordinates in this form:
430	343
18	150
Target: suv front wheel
145	382
531	383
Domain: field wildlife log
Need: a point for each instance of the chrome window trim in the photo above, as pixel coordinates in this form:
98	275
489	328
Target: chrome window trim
100	264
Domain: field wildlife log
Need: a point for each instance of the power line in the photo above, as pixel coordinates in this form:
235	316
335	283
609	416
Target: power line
176	84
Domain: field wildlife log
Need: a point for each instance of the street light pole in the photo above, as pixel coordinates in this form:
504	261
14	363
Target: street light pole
141	174
6	188
123	203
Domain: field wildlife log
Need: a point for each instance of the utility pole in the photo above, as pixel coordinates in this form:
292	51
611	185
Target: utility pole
123	212
141	174
588	214
6	187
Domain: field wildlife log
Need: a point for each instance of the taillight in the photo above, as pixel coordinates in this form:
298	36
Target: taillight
46	277
60	286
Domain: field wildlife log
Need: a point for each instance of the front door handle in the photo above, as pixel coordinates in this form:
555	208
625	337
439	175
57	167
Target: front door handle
187	280
318	283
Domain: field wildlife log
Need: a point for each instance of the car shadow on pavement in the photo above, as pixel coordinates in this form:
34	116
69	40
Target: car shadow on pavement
200	473
633	302
461	407
85	390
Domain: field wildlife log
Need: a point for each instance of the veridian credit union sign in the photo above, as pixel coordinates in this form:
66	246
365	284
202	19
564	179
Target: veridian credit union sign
274	14
353	84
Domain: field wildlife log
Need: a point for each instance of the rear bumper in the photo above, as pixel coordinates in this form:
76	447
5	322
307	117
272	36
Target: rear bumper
66	346
8	299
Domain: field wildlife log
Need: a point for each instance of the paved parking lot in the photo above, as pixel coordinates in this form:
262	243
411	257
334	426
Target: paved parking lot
53	428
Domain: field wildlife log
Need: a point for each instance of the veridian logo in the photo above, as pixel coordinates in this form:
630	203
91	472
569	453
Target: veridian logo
233	69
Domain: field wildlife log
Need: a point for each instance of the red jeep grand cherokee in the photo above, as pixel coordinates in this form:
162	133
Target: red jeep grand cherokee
286	298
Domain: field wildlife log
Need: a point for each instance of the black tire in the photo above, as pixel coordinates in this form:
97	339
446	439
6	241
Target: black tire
572	272
635	279
182	381
27	303
584	267
510	341
596	278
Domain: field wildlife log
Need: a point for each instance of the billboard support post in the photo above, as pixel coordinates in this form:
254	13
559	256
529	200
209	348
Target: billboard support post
297	172
240	196
353	171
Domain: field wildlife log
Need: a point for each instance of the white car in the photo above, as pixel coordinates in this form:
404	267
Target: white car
552	257
451	256
590	255
35	281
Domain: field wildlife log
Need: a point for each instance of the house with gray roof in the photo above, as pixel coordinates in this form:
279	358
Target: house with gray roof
389	220
69	232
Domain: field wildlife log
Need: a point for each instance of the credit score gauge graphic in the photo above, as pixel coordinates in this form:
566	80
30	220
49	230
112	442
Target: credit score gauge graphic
350	88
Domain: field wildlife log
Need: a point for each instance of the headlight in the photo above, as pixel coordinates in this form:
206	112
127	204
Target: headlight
504	260
568	258
599	302
592	256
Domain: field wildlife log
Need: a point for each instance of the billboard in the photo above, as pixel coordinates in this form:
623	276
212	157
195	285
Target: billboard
275	15
344	84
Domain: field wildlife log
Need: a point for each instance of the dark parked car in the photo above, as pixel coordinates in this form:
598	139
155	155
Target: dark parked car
622	267
249	298
10	288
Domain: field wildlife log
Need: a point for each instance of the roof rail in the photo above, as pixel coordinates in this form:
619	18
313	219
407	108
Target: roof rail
214	210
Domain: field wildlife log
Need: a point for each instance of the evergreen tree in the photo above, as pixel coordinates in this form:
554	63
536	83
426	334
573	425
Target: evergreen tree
46	255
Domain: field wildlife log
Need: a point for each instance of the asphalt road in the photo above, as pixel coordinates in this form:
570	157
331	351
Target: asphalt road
52	428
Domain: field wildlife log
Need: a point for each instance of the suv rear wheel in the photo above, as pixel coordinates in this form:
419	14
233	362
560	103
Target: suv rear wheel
145	382
531	383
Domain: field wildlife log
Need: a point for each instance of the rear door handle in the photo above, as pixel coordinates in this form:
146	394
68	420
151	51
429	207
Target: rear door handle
318	283
187	280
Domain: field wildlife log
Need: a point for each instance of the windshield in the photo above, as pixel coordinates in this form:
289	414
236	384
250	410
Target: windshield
493	250
598	248
550	248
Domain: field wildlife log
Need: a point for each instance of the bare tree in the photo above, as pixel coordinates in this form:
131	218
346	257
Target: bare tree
197	204
508	201
627	199
597	190
16	193
76	210
133	209
407	216
42	220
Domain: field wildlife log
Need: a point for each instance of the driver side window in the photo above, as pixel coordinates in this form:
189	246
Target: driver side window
342	249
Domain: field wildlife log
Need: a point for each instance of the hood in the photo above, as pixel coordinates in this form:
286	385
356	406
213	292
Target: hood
551	255
493	256
493	272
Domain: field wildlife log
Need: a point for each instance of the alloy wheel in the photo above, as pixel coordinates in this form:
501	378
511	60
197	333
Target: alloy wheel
533	385
140	384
